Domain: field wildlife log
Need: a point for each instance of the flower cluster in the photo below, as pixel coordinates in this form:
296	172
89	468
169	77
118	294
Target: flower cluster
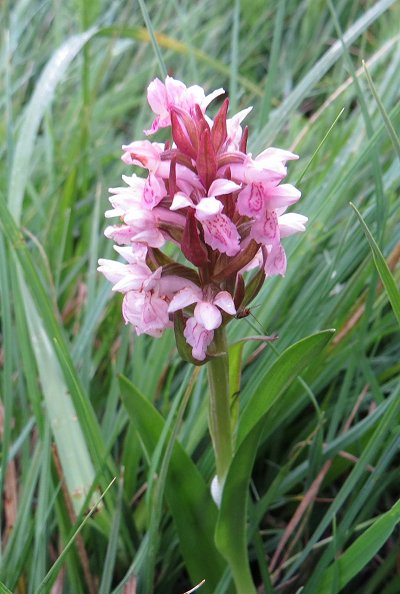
223	208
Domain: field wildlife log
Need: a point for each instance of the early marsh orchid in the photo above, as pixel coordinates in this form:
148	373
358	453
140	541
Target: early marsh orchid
224	209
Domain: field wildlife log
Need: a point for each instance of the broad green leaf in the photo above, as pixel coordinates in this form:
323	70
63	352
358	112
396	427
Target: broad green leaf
383	269
230	533
358	555
187	494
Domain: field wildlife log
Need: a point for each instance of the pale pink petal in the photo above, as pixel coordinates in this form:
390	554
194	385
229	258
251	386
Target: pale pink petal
133	253
265	229
180	200
291	223
198	338
251	201
208	207
171	284
224	301
281	196
276	261
121	234
208	315
134	277
277	153
185	298
151	237
222	186
112	270
143	153
207	100
153	192
157	96
234	129
221	234
176	91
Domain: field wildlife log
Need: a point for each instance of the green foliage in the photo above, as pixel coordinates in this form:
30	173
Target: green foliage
83	400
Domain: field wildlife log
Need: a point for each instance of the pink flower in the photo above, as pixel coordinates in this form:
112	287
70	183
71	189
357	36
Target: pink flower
207	310
225	211
147	312
220	233
163	97
198	337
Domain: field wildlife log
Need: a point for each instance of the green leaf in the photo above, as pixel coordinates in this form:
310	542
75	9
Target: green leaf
51	76
187	494
389	126
278	377
230	533
4	589
55	568
383	269
356	557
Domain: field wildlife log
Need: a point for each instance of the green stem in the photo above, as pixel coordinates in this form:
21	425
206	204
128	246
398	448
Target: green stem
219	409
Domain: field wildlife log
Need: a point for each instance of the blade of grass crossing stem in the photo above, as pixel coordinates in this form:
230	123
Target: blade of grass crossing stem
386	276
187	495
369	451
4	589
272	64
354	559
279	118
230	534
55	568
153	38
233	80
389	126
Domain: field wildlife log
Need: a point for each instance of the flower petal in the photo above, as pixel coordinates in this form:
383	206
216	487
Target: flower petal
224	301
184	298
208	315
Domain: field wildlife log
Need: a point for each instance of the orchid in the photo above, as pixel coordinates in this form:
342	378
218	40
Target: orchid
225	213
224	209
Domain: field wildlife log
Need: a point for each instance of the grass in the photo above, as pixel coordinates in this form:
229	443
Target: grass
323	510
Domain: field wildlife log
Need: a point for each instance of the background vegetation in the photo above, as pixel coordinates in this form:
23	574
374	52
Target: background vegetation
325	482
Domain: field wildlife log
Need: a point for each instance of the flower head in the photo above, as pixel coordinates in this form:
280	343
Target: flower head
224	209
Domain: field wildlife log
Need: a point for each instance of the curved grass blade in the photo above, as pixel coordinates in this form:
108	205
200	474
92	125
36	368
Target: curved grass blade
389	126
279	117
51	76
356	557
55	568
382	267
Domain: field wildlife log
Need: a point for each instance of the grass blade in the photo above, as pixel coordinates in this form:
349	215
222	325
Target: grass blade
383	269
